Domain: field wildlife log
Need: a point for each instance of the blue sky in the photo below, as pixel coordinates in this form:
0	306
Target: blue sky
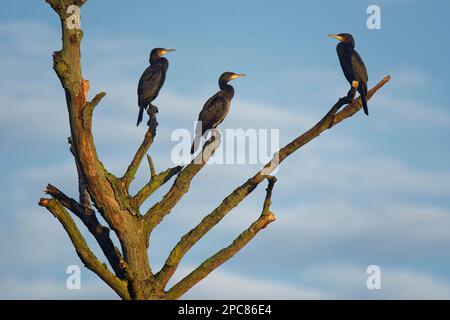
374	190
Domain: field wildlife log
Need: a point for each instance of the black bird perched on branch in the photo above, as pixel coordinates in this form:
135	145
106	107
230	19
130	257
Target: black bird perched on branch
216	108
152	80
352	65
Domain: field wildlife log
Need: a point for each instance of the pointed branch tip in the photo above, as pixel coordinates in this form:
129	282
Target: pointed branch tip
96	100
151	166
44	202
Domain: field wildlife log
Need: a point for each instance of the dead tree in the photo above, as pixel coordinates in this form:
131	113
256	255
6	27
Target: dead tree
131	276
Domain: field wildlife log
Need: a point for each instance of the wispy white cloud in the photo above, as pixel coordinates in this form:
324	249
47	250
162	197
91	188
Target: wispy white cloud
379	174
49	288
409	78
409	112
349	281
27	37
334	198
235	286
392	226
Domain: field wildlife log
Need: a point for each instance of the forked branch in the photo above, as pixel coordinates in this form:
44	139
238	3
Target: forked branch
240	193
88	217
156	181
86	255
181	184
141	152
223	255
111	197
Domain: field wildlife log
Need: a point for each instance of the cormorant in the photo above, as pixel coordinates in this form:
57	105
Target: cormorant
216	108
352	65
152	80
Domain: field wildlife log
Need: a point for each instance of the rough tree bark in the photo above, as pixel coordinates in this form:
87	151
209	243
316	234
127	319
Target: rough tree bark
131	276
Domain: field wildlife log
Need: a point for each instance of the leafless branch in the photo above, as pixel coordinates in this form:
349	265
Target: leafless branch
240	193
87	257
181	184
111	198
88	217
223	255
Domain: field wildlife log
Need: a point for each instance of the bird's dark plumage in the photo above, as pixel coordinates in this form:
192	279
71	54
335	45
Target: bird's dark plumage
152	79
216	108
352	65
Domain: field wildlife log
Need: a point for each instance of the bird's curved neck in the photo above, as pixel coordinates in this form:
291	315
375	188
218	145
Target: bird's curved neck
347	44
226	88
160	60
224	84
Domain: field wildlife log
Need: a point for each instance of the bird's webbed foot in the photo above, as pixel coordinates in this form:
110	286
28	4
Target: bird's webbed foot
152	123
331	121
352	92
152	109
215	135
343	101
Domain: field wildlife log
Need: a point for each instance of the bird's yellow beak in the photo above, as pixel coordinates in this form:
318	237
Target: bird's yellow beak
336	36
165	51
237	75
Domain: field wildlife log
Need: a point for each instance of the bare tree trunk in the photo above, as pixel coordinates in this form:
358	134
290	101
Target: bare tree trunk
131	276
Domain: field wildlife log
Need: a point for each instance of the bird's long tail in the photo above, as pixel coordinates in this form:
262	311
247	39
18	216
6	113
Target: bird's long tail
140	116
364	98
